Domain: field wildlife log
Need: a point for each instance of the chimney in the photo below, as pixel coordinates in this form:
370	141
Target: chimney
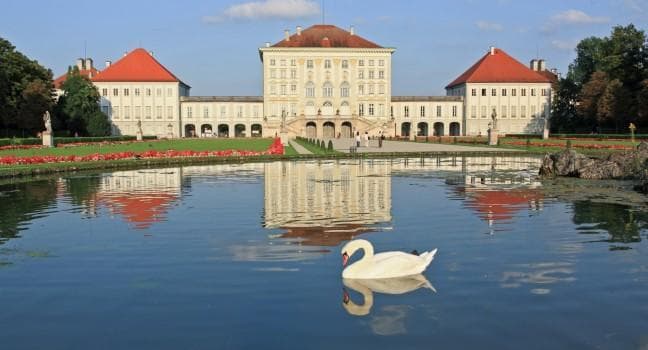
287	34
554	71
534	65
108	63
492	50
88	63
352	30
299	29
151	53
541	65
80	63
267	44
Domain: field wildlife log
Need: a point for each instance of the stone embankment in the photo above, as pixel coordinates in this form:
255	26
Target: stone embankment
622	165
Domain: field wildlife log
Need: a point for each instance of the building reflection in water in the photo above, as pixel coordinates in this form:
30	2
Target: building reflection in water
326	203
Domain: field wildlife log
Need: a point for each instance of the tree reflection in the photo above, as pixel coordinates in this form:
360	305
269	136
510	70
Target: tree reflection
20	203
622	223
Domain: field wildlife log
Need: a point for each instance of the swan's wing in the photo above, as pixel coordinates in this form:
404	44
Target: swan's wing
393	264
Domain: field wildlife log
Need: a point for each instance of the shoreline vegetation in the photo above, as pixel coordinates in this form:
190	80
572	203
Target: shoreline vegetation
221	151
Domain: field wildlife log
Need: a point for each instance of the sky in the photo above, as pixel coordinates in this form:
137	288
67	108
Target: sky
212	45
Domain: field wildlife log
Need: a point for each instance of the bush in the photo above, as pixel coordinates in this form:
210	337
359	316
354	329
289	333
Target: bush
323	145
330	145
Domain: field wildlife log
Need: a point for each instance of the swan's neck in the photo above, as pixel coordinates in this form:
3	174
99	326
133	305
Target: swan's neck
364	245
363	309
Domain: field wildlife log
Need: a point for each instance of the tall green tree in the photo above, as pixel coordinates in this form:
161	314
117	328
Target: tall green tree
564	117
26	91
642	103
612	106
589	98
589	53
78	107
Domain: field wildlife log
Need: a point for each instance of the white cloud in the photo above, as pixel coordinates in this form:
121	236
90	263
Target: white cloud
577	17
564	44
489	26
268	9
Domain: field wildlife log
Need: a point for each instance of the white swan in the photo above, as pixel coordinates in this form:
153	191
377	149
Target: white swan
382	265
367	287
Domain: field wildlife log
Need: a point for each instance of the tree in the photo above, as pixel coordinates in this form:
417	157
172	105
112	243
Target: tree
589	98
589	52
78	107
612	106
564	117
25	90
626	55
642	104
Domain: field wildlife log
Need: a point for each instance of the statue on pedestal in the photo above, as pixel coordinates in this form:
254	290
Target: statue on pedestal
47	119
139	126
493	124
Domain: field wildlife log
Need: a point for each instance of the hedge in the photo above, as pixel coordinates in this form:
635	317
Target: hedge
64	140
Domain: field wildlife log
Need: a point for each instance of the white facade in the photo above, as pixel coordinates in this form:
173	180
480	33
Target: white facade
235	116
156	105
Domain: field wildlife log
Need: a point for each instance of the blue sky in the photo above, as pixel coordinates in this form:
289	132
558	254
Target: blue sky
212	45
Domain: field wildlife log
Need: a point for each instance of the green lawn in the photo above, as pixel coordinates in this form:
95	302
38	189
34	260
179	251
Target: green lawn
251	144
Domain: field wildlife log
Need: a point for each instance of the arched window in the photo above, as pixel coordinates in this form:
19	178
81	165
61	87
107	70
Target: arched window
345	104
310	89
310	104
344	89
327	90
328	104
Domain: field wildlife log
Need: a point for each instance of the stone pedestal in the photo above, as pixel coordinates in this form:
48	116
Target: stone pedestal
139	136
284	138
493	135
545	134
48	139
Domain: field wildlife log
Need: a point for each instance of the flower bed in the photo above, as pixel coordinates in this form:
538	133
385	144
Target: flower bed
276	148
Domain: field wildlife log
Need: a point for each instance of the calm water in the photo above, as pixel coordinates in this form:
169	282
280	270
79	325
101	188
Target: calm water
247	256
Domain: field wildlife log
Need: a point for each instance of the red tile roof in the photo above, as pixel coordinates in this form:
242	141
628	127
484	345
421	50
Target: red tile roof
141	209
89	73
138	65
326	35
499	68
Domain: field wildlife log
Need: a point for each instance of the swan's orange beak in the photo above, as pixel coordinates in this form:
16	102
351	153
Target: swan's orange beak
345	259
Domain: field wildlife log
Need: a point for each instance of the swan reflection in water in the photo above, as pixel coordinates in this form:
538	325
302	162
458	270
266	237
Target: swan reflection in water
366	287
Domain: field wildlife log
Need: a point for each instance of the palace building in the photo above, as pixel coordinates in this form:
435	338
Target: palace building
325	82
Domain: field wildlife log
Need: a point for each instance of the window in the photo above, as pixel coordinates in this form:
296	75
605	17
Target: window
205	112
391	111
283	63
523	92
310	90
158	92
371	109
544	92
239	111
422	111
381	74
371	74
345	64
293	62
273	90
169	112
158	112
327	64
483	92
223	111
283	90
361	109
533	111
293	89
147	112
148	92
361	63
273	73
473	111
406	111
503	92
545	110
327	90
255	110
438	111
381	89
513	92
283	74
344	90
293	74
483	111
138	112
137	92
126	92
371	63
533	92
493	92
381	63
189	112
371	89
115	92
126	112
454	111
169	92
474	92
104	92
503	111
522	111
272	62
381	109
309	64
360	89
360	74
115	112
513	111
